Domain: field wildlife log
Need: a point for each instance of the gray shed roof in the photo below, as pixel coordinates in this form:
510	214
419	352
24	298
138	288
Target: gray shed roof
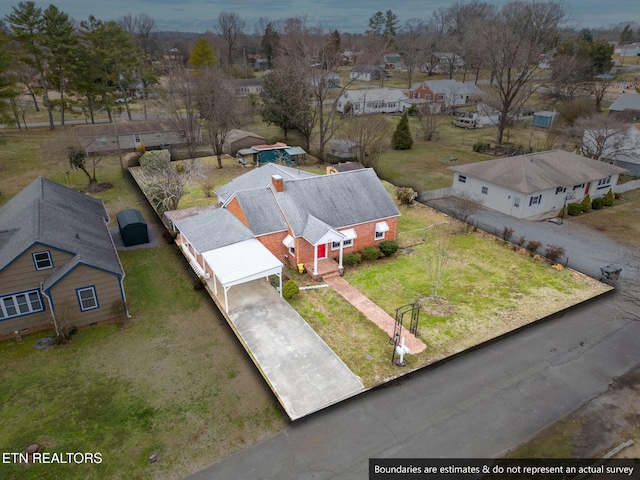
626	101
540	171
50	214
214	229
339	200
259	178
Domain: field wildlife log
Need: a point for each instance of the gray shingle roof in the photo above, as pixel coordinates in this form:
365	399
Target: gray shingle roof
259	178
626	101
51	214
261	211
339	200
215	229
540	171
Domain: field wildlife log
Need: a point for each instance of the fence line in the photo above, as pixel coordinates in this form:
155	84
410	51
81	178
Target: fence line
625	187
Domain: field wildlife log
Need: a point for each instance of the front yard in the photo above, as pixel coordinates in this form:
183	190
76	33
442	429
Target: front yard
487	290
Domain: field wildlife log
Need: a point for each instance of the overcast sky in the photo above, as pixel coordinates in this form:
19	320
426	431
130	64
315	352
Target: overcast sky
346	16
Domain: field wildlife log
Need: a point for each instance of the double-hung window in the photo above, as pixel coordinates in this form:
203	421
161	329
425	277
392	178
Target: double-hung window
42	260
87	298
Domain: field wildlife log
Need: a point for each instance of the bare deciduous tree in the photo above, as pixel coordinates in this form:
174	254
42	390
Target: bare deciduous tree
181	104
428	119
230	26
164	181
218	106
370	133
607	138
514	38
438	260
465	205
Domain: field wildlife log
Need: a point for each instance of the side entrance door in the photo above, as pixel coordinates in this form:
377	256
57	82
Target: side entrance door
322	251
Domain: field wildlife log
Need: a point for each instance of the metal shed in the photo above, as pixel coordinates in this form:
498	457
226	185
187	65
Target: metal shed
133	227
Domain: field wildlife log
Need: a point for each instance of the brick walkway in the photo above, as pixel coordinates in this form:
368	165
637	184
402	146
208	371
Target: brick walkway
373	312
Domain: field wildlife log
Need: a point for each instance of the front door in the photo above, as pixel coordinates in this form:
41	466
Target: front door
586	190
322	251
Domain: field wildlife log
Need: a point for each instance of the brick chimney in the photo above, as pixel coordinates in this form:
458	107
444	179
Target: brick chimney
278	183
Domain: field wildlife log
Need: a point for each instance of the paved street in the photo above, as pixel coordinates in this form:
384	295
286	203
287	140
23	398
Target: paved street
478	404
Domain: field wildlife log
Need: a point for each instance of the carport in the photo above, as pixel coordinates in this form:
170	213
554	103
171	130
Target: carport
240	263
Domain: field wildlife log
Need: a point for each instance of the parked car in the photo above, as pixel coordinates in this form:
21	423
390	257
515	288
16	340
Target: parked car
466	123
123	100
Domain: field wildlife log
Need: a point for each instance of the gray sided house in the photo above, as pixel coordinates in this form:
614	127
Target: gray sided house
56	255
534	184
626	106
152	134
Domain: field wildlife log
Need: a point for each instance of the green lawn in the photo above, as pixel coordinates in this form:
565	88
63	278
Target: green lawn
175	382
488	289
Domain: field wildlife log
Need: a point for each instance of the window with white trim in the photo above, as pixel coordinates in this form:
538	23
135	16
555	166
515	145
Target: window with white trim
42	260
485	190
348	242
462	179
605	181
535	200
561	190
18	304
87	298
576	187
292	251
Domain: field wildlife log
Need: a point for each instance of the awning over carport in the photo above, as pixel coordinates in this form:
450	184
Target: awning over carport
240	263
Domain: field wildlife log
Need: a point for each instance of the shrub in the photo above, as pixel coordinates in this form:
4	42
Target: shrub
507	233
533	246
586	203
608	199
351	259
554	252
521	240
290	289
481	146
405	195
402	139
371	253
597	203
574	209
388	247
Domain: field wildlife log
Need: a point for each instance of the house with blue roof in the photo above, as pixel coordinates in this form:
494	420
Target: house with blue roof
56	253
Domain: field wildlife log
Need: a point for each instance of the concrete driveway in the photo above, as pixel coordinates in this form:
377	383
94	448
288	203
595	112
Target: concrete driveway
303	372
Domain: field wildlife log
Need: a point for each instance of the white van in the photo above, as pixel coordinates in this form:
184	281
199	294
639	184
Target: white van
466	123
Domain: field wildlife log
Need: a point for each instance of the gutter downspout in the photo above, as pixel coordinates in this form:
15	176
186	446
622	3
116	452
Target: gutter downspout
53	313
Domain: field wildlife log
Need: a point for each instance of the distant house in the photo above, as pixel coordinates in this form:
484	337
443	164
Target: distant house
443	63
344	167
276	153
238	139
619	147
626	106
372	100
533	184
101	137
56	254
367	73
247	86
545	119
295	218
628	50
393	61
449	93
324	78
261	64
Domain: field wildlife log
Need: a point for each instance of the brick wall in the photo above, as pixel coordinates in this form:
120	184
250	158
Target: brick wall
234	207
273	242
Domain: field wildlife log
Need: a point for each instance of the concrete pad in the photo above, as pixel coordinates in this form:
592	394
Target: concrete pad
303	372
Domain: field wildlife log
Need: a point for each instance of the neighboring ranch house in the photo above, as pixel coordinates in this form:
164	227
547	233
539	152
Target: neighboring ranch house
295	218
621	148
56	255
276	153
448	93
152	134
367	73
239	139
536	183
446	62
247	86
393	61
628	50
373	100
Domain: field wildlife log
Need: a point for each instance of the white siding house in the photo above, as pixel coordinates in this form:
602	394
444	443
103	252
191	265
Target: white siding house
373	100
534	184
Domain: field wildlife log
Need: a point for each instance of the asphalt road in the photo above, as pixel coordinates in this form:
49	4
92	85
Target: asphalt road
479	404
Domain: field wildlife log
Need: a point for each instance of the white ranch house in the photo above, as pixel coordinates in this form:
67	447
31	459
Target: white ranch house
373	100
534	184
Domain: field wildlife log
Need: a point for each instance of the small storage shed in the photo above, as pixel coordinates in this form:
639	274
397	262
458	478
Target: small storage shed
545	119
133	228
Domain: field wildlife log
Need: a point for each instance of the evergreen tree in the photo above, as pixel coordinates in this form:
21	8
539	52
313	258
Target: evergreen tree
202	55
376	24
401	139
390	25
269	44
627	35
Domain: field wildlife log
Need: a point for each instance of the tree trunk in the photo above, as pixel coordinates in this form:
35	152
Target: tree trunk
219	160
33	97
14	109
61	100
